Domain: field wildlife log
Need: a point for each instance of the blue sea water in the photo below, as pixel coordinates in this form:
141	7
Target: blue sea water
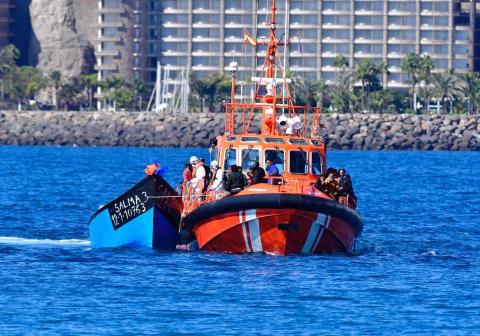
417	270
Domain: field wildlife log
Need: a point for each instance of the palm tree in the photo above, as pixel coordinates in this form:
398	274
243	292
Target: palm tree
410	64
367	73
89	83
448	86
425	67
55	78
212	89
8	58
28	81
341	96
308	92
472	91
138	86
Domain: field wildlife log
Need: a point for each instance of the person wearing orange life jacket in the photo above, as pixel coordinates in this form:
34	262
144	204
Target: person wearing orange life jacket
199	173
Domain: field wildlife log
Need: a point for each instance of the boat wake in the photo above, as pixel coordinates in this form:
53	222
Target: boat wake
49	242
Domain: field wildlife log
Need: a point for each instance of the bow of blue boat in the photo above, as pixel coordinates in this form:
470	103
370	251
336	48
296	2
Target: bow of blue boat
147	215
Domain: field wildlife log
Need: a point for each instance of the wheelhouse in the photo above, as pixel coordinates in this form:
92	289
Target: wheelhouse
293	157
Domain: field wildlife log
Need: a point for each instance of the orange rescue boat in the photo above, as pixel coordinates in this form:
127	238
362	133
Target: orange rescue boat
286	214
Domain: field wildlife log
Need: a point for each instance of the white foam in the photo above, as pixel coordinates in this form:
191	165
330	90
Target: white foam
52	242
430	253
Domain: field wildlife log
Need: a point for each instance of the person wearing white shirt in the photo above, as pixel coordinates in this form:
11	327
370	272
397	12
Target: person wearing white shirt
198	180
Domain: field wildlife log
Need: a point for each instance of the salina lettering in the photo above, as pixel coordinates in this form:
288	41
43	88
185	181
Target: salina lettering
128	208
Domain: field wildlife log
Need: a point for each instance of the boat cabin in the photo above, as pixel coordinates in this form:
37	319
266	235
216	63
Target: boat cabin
294	157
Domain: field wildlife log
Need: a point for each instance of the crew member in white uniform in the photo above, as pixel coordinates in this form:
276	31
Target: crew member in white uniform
198	180
216	178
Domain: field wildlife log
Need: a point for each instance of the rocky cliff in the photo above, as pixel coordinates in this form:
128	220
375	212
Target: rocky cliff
62	36
345	131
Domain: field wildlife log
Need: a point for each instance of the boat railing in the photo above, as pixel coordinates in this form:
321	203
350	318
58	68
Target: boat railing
192	200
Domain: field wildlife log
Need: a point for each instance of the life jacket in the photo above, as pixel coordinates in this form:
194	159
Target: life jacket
151	169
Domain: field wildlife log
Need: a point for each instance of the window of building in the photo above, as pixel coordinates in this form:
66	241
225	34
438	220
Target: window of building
369	34
239	4
375	20
302	4
460	35
336	5
336	19
341	34
460	64
402	20
460	49
205	4
401	34
369	5
440	63
404	6
298	162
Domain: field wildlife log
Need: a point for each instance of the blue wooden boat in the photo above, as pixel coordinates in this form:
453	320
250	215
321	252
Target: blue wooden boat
147	215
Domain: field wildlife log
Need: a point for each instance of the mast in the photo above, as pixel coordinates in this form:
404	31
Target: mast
272	46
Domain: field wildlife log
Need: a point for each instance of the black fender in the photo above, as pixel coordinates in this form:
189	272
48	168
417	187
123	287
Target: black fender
275	201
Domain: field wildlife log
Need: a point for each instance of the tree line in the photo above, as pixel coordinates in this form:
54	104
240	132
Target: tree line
359	88
20	85
354	88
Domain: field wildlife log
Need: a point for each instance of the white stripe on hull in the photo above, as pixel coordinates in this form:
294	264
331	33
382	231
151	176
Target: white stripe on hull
245	238
312	234
255	236
324	227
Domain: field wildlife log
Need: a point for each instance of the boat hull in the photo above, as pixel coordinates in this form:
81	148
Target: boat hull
277	224
147	215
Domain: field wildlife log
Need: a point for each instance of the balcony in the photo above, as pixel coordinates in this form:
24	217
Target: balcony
105	38
110	11
112	53
106	67
110	24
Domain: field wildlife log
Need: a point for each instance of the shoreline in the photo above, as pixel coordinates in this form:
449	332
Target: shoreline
143	129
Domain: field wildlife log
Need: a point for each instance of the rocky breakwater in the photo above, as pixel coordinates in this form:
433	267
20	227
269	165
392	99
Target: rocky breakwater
402	131
343	131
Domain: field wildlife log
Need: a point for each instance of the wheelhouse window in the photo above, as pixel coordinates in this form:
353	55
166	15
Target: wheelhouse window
298	162
317	164
249	156
278	158
230	158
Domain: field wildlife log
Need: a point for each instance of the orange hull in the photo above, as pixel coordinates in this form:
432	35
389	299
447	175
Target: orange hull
278	231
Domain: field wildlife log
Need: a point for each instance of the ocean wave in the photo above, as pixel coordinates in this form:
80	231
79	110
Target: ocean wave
52	242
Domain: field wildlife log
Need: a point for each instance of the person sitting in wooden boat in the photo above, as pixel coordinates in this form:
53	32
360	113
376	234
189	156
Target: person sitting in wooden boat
236	181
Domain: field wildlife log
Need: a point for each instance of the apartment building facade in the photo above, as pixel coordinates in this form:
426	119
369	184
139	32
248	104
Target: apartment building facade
5	22
206	35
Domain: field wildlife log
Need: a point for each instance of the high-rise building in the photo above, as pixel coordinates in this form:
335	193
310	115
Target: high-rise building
206	35
5	22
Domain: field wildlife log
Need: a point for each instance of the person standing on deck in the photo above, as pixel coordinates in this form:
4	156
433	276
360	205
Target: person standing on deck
199	173
187	173
216	178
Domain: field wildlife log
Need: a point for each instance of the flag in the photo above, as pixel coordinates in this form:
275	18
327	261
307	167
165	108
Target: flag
248	38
